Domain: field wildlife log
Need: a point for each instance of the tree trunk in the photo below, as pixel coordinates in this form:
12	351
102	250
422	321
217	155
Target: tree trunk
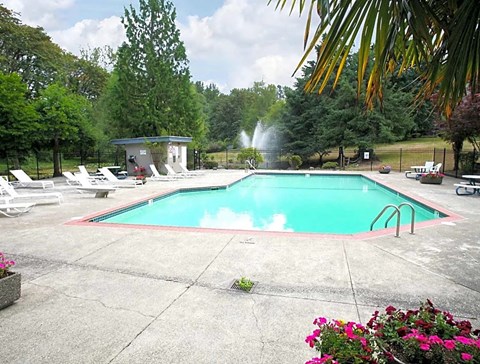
56	158
457	147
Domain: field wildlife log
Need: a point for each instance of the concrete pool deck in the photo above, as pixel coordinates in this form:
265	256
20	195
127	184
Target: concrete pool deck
120	295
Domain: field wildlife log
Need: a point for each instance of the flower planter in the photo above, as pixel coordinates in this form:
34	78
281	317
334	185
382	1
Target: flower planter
431	180
384	171
10	289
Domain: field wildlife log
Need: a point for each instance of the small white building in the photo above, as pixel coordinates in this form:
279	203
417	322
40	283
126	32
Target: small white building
161	150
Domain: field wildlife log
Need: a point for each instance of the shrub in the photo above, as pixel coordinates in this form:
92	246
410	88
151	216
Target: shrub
295	161
330	165
210	164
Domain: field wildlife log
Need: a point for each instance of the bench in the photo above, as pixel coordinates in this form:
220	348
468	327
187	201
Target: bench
465	188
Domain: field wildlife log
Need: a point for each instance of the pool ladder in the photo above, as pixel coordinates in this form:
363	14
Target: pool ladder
396	212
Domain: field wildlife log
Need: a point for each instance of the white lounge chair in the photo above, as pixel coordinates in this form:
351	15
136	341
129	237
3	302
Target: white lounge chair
156	176
88	176
99	190
419	170
184	170
38	197
24	180
171	172
15	209
119	182
72	180
435	169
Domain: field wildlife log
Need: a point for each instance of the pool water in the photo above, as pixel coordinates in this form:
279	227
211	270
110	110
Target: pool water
338	204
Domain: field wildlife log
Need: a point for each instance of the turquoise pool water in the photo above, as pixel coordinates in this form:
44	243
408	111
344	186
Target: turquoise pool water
339	204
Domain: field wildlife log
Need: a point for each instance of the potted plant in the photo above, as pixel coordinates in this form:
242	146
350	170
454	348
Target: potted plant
10	282
140	174
424	335
384	169
432	178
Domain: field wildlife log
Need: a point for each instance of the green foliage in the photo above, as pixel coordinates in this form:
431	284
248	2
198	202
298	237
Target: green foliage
151	93
210	164
245	284
64	119
29	52
18	119
250	154
295	161
314	124
330	165
241	110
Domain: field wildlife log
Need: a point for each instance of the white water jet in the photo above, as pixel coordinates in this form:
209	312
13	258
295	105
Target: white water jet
262	138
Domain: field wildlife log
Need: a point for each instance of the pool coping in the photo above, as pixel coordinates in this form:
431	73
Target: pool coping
449	218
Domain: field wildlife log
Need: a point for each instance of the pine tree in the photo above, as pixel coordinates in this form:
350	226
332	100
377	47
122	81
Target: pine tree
153	92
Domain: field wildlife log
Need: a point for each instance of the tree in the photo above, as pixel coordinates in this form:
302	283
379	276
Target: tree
29	52
18	119
152	89
464	124
440	38
63	118
314	123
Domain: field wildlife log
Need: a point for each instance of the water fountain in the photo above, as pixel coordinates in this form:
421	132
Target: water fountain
264	139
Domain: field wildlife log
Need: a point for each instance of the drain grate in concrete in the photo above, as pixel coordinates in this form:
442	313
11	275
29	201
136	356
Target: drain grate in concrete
237	286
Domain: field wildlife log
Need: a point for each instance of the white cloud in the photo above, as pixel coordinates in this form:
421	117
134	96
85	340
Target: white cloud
245	41
241	42
42	13
90	33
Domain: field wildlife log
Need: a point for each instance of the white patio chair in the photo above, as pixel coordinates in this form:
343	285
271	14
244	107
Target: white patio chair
15	209
119	182
38	197
24	180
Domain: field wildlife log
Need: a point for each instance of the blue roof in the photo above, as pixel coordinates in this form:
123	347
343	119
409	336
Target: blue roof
158	139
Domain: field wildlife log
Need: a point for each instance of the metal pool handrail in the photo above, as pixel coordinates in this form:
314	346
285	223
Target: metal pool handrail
412	222
396	212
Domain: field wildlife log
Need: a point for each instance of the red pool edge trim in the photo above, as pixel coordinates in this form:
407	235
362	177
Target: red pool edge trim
451	216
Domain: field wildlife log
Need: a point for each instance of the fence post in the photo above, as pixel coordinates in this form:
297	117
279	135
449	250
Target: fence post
444	158
38	168
400	160
98	158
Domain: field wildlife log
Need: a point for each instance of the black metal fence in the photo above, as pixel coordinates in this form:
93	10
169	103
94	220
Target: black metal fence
39	165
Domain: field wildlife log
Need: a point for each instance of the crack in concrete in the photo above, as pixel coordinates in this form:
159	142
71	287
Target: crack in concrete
257	324
150	323
351	281
424	268
90	300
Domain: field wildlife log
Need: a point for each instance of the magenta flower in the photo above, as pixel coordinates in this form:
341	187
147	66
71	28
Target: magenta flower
464	340
425	347
449	344
434	339
310	340
467	356
320	321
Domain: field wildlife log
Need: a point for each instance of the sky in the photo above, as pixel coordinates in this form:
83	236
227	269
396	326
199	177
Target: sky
231	43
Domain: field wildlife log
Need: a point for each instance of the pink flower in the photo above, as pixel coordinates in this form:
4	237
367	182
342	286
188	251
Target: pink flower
467	356
311	338
464	340
425	347
320	321
434	339
449	344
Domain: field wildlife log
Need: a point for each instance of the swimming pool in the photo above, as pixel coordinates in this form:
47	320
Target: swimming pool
302	203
